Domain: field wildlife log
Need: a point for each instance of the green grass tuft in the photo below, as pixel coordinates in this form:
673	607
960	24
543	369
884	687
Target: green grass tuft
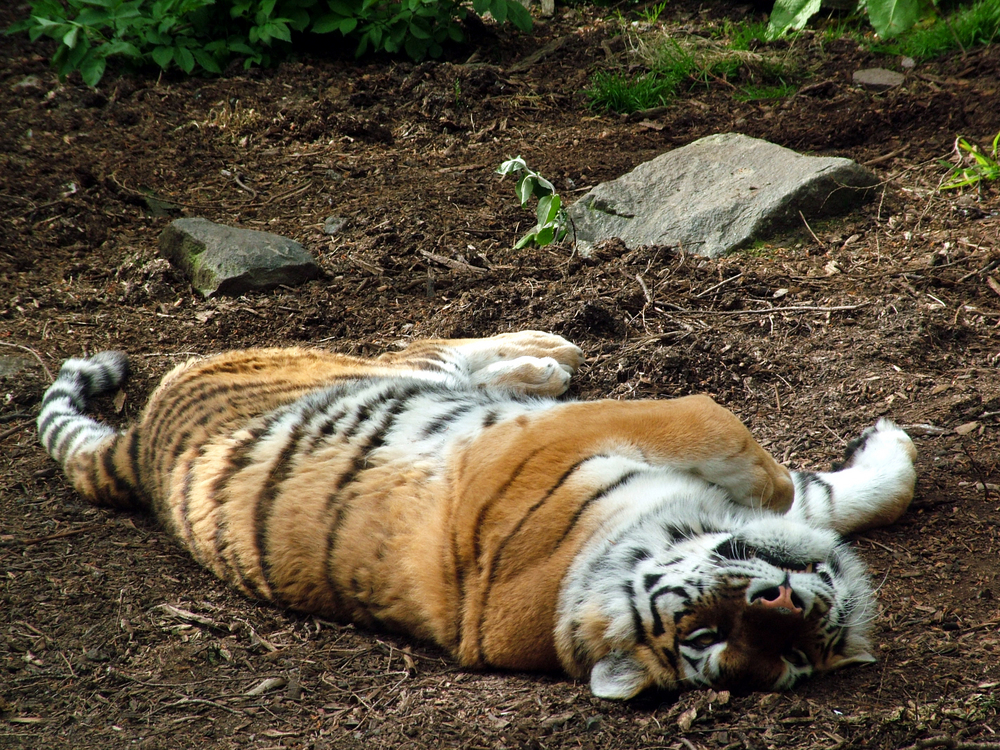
622	93
754	93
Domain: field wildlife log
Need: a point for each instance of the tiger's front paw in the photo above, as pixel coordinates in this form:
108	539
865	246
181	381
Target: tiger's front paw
512	347
540	345
533	376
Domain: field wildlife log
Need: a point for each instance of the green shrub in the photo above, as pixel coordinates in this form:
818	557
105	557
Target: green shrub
888	17
976	25
204	35
973	26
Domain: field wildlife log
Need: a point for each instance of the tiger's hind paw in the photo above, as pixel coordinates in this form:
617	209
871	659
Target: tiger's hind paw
883	444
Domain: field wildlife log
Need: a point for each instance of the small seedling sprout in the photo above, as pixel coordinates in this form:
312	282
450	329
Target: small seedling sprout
552	223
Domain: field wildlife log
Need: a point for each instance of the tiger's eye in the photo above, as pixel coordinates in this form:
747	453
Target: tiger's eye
703	638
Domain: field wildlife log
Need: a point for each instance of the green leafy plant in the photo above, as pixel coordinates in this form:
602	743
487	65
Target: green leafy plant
889	18
973	166
553	224
91	31
419	28
203	35
975	25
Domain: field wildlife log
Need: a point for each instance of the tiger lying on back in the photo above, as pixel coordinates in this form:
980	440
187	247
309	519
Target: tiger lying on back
444	492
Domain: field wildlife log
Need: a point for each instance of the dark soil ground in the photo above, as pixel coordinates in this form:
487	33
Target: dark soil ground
111	637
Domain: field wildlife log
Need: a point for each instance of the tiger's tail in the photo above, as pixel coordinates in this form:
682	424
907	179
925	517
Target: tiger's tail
96	458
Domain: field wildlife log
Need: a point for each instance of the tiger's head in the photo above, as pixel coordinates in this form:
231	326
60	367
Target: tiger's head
755	608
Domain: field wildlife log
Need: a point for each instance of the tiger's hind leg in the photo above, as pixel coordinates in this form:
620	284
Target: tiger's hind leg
528	362
873	487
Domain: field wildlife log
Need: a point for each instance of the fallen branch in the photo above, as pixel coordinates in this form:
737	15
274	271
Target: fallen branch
13	430
57	535
766	310
451	262
818	240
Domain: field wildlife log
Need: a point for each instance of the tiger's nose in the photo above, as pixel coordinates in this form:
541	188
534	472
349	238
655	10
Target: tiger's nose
780	597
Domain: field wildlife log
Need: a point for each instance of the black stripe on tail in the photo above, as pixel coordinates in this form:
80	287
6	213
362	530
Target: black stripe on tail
64	430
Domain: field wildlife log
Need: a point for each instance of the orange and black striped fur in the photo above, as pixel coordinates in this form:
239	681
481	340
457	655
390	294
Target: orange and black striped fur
444	491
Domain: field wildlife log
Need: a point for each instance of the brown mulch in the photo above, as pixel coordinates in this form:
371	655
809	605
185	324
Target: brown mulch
111	637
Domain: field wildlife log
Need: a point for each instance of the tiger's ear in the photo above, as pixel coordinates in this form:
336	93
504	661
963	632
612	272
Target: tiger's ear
619	676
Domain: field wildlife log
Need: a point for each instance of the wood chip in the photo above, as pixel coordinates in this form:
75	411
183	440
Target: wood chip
993	284
920	430
686	719
966	428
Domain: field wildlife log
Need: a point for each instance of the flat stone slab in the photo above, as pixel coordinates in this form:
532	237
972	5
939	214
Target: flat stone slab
231	261
878	79
716	195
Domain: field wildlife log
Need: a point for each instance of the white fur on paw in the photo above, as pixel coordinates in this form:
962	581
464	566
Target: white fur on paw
532	375
541	345
880	446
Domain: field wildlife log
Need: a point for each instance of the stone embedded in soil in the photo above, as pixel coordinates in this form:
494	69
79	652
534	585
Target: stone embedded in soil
13	365
232	261
878	79
716	195
334	224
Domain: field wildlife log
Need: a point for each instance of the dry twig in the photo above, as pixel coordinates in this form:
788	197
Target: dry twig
767	310
34	354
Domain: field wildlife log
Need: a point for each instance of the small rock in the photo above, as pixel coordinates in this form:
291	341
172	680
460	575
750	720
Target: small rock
334	224
28	82
95	654
878	79
908	63
227	260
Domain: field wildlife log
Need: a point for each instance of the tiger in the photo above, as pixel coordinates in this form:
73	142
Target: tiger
447	492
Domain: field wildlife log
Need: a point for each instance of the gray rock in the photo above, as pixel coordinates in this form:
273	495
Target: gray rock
334	224
716	195
226	260
878	79
13	365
